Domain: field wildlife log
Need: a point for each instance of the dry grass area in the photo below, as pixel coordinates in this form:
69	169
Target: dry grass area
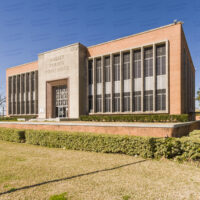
55	171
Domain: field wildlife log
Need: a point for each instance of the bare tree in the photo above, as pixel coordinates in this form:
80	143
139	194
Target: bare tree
2	102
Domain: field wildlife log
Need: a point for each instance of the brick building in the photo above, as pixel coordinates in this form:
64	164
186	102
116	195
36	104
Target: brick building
144	73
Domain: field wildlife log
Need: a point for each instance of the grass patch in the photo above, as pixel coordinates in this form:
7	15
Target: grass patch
139	180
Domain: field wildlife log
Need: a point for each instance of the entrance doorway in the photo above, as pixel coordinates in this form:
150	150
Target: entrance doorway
57	99
61	101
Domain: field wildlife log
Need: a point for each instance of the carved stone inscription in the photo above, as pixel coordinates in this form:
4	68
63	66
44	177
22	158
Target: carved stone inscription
56	64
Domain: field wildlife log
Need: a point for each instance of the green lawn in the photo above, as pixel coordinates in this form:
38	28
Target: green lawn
34	172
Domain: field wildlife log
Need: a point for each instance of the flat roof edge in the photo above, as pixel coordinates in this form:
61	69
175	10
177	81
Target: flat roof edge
21	65
77	43
154	29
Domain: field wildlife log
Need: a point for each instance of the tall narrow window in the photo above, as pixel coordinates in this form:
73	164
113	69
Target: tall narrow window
90	99
126	80
137	64
14	94
36	91
107	85
98	70
99	85
18	94
10	95
107	103
107	69
137	81
126	102
22	93
137	101
160	60
32	92
90	85
90	72
116	102
161	99
98	103
27	94
148	62
148	100
126	66
116	66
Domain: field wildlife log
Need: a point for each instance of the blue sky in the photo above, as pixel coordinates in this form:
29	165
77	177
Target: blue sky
30	27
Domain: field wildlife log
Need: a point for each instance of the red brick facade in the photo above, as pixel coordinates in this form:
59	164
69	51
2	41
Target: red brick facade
178	98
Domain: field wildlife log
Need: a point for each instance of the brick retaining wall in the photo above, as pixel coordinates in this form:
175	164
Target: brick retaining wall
137	129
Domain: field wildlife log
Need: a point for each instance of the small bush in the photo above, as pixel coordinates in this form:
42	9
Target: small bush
136	118
12	135
126	197
59	197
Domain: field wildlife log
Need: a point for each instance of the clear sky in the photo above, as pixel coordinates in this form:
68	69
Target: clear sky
29	27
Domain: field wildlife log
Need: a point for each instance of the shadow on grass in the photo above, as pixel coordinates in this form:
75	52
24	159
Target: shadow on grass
70	177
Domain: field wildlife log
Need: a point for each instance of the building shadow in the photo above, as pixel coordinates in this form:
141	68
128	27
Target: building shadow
69	178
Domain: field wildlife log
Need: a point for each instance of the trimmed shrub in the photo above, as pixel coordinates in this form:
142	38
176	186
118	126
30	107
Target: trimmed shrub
130	145
12	135
147	147
136	118
185	148
14	118
8	118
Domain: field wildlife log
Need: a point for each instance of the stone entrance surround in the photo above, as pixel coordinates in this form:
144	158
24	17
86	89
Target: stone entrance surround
50	111
136	129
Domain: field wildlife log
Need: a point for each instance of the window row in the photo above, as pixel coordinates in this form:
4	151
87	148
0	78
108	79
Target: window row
23	94
160	101
160	63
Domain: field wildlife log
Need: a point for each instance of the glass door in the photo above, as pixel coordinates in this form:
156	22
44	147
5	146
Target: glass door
61	99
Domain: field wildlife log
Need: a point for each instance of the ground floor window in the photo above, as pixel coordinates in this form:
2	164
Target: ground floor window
148	100
126	101
90	99
161	99
107	103
98	103
137	101
116	102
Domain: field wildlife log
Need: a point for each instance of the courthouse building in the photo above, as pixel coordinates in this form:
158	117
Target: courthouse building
145	73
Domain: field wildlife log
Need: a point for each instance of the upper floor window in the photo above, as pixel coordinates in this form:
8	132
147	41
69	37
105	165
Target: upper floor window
90	72
126	66
137	64
161	59
116	66
98	70
107	69
148	62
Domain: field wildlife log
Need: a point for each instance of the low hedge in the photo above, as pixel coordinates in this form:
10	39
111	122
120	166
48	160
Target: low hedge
12	135
8	118
185	148
136	118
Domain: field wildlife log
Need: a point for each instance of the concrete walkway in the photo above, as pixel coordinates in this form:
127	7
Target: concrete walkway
106	124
